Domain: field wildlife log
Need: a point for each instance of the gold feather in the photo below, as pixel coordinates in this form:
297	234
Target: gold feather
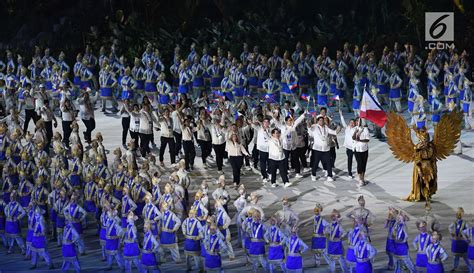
447	134
399	138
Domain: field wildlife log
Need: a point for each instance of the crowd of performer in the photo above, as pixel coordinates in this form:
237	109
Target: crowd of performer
259	113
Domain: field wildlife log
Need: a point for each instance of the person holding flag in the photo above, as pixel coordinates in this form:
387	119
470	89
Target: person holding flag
272	88
361	139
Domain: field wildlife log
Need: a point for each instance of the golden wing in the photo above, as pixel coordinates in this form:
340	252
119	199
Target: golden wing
447	134
399	138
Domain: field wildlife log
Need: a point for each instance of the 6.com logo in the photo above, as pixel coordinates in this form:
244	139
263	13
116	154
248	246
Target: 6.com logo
439	30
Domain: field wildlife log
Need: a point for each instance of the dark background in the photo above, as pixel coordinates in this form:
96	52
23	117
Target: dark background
71	24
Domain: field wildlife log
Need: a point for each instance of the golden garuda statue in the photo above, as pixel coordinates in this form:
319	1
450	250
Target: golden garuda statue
425	153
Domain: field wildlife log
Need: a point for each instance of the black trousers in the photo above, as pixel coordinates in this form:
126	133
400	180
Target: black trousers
30	114
135	136
300	160
332	153
90	126
125	127
255	155
361	158
350	155
48	125
171	146
324	158
263	163
189	153
66	131
145	143
220	153
206	149
236	162
281	165
177	139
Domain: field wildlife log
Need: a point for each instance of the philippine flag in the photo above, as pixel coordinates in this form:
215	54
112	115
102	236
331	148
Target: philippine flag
293	86
305	97
370	109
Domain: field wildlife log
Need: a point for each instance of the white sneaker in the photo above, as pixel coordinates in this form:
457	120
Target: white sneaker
325	173
220	172
274	185
330	179
361	184
287	184
248	168
313	178
265	180
298	175
208	165
305	170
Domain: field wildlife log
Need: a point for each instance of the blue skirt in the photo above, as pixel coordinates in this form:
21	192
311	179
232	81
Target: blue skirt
25	200
390	246
131	250
38	242
12	228
285	89
350	257
322	100
89	206
257	248
149	260
124	222
167	238
459	246
335	248
260	83
365	267
212	261
294	262
420	124
106	92
436	117
470	252
198	82
253	82
355	104
150	87
182	89
127	95
434	268
139	209
216	82
164	99
421	260
112	244
318	243
401	249
60	222
382	89
192	245
395	93
276	253
68	250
